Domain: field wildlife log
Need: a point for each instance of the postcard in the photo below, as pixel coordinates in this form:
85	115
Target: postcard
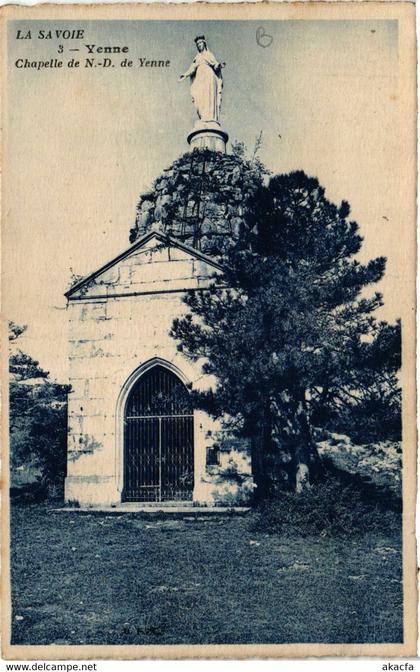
208	282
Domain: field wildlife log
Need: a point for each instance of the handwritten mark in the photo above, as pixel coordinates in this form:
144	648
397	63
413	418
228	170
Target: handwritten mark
263	39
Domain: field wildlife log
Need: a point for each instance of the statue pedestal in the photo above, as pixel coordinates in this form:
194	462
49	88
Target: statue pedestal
209	135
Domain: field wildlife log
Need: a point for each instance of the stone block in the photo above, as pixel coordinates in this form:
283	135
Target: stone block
99	425
99	387
79	388
91	490
150	274
89	330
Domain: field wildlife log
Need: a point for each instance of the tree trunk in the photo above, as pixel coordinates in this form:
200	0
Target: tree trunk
260	447
302	475
258	475
306	456
295	427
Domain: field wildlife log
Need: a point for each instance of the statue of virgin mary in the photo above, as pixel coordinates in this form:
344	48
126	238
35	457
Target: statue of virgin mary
205	73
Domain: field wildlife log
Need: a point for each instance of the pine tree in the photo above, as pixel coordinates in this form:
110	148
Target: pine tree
37	416
289	329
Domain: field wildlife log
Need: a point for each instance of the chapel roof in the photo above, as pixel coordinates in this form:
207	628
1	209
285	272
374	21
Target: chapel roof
167	240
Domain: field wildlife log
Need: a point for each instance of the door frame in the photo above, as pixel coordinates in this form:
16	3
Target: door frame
120	413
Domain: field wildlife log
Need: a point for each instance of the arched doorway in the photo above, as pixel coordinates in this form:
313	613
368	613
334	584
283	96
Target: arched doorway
158	439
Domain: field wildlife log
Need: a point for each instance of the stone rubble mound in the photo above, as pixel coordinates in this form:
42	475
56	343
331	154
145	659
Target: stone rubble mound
200	200
379	464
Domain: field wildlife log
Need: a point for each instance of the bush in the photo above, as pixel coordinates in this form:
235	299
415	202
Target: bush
38	434
331	507
37	425
30	493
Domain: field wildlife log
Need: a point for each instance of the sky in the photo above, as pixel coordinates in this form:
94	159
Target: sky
83	144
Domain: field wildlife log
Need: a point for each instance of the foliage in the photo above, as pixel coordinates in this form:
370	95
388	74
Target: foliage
37	418
257	146
16	330
231	474
22	367
292	337
366	405
74	279
234	487
330	507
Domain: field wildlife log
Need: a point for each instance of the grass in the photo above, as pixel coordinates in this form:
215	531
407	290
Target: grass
97	578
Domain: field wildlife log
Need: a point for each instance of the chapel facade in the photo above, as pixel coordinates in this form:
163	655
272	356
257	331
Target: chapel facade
133	433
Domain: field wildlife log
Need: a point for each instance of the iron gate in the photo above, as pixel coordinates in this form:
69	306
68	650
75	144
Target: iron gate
158	439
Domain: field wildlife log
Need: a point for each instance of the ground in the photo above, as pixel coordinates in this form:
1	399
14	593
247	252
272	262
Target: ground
97	578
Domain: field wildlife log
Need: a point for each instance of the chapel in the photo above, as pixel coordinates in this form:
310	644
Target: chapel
134	435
